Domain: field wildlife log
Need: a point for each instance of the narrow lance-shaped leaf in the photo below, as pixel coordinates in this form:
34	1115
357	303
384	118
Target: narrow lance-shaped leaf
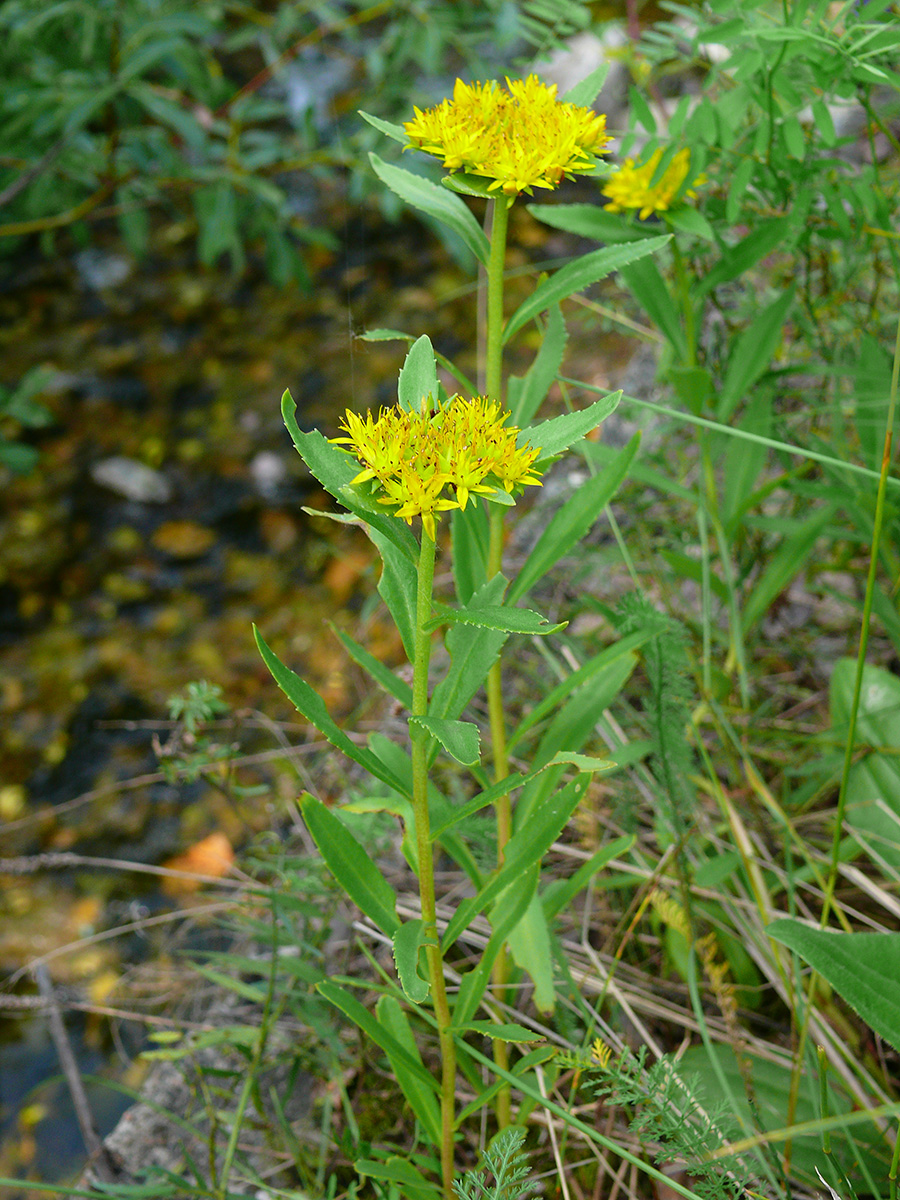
559	433
511	620
569	524
351	866
311	705
421	1098
436	201
578	275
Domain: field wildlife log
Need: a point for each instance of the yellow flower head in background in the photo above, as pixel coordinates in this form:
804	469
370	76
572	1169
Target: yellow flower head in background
519	137
435	459
630	186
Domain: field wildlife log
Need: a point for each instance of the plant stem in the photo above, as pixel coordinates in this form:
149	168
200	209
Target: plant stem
494	391
425	851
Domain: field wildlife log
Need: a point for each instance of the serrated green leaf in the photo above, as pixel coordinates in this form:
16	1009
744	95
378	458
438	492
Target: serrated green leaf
570	523
311	705
460	739
437	202
397	132
586	91
421	1099
408	941
578	275
351	866
524	850
490	616
501	1032
559	433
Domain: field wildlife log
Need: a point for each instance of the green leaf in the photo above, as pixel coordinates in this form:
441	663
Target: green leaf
397	132
421	1099
351	866
648	287
688	220
873	788
529	944
501	1032
397	586
383	676
561	892
408	941
746	254
310	705
569	524
334	469
525	849
473	652
863	968
418	376
587	220
460	739
578	275
586	91
784	565
411	1183
437	202
361	1017
495	616
559	433
751	354
511	903
525	395
470	534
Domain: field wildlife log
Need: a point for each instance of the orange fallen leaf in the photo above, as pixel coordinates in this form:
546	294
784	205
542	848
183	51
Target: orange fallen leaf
212	856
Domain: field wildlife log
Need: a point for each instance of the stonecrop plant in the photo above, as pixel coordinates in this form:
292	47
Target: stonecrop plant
398	473
434	480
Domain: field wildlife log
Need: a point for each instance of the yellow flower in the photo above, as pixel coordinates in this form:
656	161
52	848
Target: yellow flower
435	459
630	186
519	138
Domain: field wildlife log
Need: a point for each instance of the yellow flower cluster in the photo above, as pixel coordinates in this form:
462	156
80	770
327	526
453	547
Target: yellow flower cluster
519	138
435	459
630	186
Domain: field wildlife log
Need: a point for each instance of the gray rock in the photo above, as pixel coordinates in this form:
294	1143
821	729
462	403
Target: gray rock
132	479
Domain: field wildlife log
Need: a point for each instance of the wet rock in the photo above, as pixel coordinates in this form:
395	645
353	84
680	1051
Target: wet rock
99	270
132	479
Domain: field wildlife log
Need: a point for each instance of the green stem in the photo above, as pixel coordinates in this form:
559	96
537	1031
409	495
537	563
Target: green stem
425	850
494	391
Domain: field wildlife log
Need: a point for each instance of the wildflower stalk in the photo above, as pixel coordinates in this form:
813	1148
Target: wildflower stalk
425	851
497	717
